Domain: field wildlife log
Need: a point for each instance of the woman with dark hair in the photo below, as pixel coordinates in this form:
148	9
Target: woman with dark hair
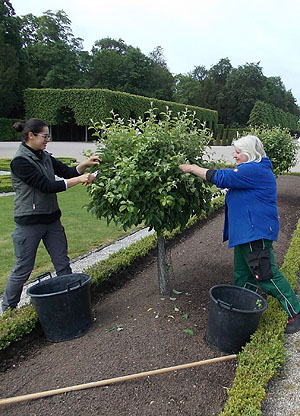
251	222
36	211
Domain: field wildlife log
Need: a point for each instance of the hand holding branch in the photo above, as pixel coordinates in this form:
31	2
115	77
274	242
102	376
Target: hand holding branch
194	169
91	161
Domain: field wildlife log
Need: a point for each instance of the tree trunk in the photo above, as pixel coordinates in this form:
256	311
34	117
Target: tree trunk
163	275
86	134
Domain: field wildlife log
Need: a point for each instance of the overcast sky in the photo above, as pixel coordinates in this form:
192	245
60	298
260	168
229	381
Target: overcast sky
192	33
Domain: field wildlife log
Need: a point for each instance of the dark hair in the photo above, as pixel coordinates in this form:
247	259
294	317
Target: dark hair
35	125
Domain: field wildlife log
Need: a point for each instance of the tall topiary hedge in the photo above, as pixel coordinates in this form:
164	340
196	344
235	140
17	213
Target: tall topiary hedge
97	104
267	114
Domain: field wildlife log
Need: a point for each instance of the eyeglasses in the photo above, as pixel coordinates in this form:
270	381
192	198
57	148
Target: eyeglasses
45	136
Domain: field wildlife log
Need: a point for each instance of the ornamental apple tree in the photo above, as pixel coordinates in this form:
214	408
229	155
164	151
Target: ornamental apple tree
139	181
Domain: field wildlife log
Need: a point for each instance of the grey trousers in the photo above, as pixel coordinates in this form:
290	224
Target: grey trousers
26	239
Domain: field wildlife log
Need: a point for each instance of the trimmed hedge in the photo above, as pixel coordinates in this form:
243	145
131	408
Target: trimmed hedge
225	136
5	184
97	104
267	114
15	324
5	164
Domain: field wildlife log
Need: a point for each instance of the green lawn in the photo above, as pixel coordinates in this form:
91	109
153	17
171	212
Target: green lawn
84	231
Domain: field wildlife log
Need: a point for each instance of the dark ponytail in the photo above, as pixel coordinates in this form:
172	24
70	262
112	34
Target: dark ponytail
35	125
19	126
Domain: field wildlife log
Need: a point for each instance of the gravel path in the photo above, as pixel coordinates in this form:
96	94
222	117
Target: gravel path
283	394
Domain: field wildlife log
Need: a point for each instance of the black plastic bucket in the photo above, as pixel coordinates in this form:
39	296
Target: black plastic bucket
234	314
63	305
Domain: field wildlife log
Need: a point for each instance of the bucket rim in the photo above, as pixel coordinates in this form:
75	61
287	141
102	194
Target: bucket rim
262	309
42	283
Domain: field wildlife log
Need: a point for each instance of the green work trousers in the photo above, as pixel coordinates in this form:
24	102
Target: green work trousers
277	286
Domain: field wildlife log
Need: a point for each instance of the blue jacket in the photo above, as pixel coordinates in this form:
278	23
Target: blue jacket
251	202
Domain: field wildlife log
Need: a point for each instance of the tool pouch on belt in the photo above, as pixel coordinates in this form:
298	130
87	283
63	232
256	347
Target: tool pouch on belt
259	260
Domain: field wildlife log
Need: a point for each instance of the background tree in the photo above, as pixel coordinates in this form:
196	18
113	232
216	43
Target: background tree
275	93
187	90
55	55
121	67
220	71
161	79
199	73
291	105
42	52
232	91
214	87
12	74
136	76
107	64
204	88
244	86
140	182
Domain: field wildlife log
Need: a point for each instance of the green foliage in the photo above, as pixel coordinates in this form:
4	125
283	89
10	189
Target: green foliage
51	48
225	136
275	93
234	91
42	52
11	62
7	133
97	104
279	146
5	164
121	67
265	353
5	184
219	134
293	173
70	161
187	90
264	114
140	181
15	324
244	86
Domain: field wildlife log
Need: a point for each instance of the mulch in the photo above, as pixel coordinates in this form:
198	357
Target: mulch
153	335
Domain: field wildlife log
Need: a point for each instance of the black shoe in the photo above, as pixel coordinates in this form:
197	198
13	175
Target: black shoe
293	325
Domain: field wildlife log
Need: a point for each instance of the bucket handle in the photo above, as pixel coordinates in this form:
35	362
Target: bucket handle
225	305
40	277
70	285
251	284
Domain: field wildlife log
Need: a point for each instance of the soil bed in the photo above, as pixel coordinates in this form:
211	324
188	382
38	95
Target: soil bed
152	336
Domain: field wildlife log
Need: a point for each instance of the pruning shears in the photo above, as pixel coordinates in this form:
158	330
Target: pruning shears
92	173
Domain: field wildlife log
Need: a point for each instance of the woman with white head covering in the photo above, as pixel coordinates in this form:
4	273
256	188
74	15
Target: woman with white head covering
251	222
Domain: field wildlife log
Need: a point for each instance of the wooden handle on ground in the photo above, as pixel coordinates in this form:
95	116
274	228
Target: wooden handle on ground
90	385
